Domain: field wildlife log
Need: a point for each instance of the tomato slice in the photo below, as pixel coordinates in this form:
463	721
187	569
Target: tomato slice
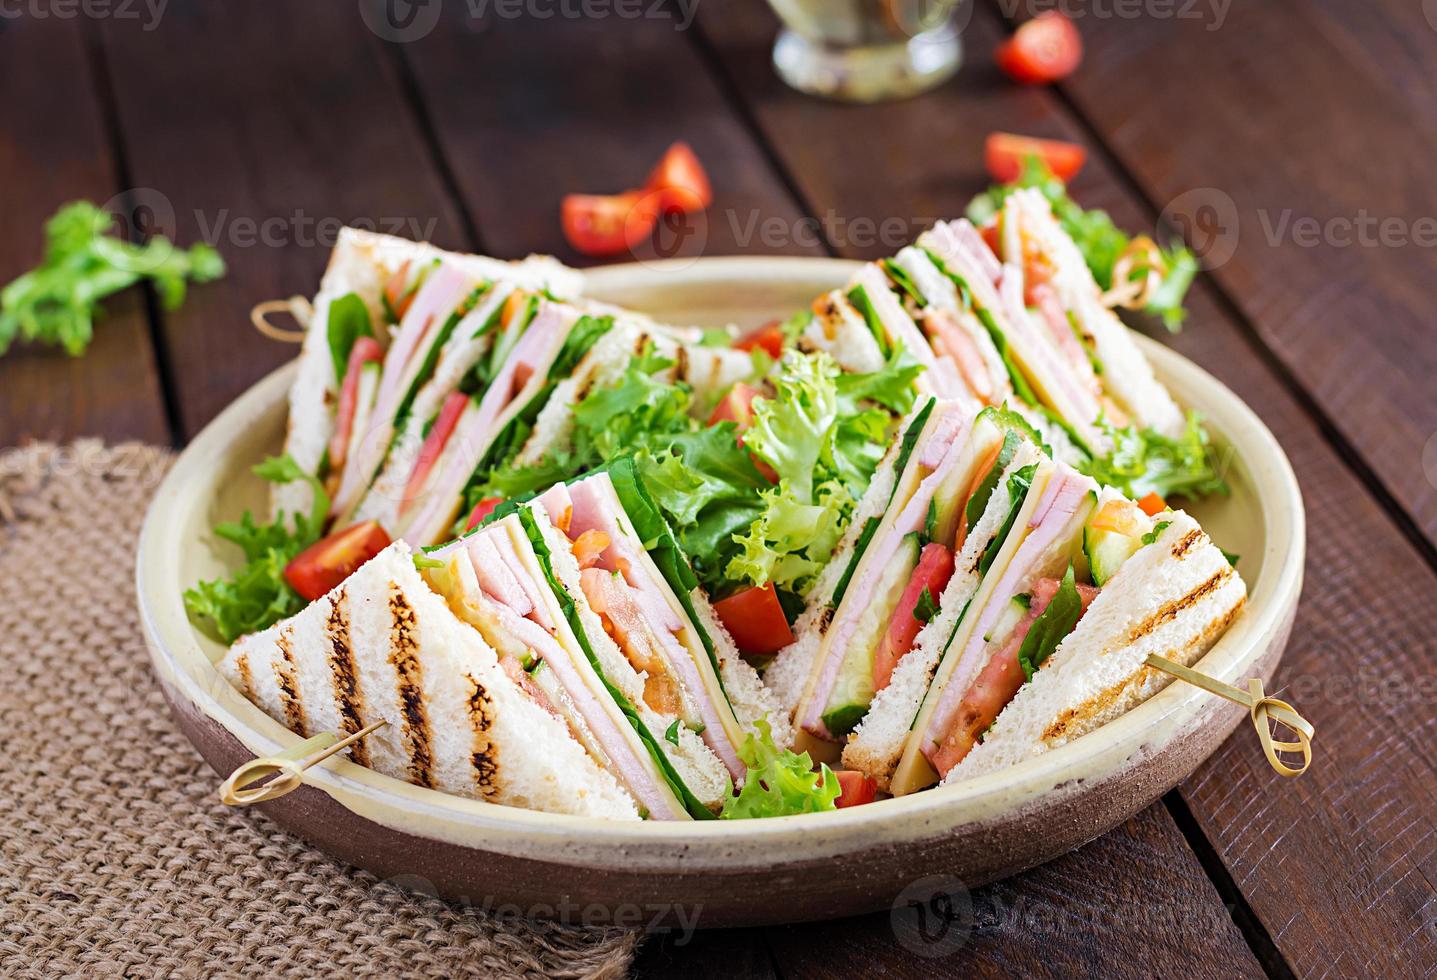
1006	153
680	180
397	293
366	350
766	337
1153	505
1047	48
601	225
329	561
482	510
756	620
854	788
934	569
439	434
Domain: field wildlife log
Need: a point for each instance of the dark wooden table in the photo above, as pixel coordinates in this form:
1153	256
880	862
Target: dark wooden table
1294	143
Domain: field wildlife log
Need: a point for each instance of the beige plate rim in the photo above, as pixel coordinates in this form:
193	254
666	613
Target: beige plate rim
181	663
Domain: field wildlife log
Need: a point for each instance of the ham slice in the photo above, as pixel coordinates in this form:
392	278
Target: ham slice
1062	497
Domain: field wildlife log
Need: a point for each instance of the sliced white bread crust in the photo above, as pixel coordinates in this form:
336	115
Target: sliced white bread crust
788	673
361	263
840	330
384	646
1174	597
1127	376
697	765
877	743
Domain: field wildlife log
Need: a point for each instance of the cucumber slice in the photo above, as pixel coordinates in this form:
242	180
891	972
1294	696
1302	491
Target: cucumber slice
1107	550
1013	615
853	691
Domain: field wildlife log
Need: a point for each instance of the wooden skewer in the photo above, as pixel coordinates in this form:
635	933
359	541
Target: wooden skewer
1260	708
243	787
296	306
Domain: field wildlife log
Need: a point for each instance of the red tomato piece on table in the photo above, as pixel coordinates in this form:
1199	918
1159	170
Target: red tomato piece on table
434	442
601	225
767	338
931	574
329	561
1047	48
756	620
680	181
855	788
481	510
1006	153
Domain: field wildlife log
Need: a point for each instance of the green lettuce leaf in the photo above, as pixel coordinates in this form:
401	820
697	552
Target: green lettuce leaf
779	782
1049	629
1146	461
57	301
257	596
348	321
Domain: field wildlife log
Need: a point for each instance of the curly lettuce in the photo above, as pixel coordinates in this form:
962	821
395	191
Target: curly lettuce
1145	461
779	783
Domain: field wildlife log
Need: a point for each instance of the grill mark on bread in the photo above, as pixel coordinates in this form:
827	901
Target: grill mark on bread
1171	610
825	619
285	677
246	680
403	655
681	363
346	676
1188	540
1069	724
485	753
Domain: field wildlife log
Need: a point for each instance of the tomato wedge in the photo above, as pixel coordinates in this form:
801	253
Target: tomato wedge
934	569
854	788
1153	505
766	337
481	510
439	434
1047	48
756	620
329	561
601	225
366	350
737	406
680	181
1005	154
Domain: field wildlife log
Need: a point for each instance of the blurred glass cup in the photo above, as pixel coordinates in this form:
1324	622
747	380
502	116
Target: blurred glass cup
867	50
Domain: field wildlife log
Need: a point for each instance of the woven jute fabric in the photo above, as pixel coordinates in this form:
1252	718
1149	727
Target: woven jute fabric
116	856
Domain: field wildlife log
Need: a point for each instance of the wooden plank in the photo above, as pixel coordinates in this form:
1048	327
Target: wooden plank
1322	187
266	125
1360	831
588	105
718	954
54	150
1124	905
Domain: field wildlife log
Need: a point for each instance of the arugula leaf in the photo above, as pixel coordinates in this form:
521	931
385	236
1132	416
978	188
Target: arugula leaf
257	596
583	335
1049	629
779	782
926	608
1097	237
348	321
979	501
1146	461
57	301
1152	536
1018	486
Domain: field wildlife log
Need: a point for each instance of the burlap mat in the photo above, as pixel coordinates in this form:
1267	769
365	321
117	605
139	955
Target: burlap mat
116	858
